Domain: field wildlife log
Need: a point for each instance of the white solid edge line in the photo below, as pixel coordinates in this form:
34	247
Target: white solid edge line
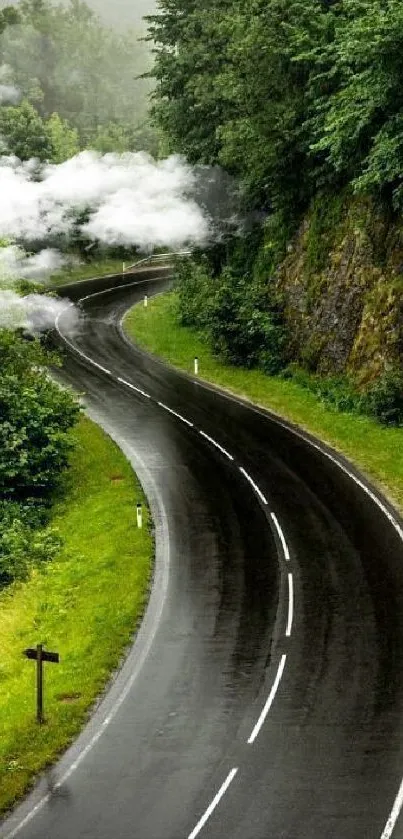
269	701
281	537
217	445
391	822
29	816
290	605
175	414
73	346
200	824
252	483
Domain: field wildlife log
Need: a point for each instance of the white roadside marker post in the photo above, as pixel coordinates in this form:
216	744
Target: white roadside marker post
145	301
196	366
139	516
124	268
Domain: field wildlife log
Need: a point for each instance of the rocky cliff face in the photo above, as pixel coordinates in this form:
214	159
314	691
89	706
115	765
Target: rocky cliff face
342	281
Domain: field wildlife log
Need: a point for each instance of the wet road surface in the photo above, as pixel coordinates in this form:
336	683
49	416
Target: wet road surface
279	588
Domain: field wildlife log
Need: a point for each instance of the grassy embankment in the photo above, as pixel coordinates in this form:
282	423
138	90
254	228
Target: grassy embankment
376	450
97	268
86	605
84	271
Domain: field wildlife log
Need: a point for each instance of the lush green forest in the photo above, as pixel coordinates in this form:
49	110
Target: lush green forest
78	82
302	103
289	96
67	83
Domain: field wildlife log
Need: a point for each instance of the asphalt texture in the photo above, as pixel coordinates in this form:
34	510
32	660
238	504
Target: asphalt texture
327	760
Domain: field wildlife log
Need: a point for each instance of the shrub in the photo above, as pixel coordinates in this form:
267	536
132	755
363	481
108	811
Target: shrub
21	546
246	326
35	415
384	399
195	287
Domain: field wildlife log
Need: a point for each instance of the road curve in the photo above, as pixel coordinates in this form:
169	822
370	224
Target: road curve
266	697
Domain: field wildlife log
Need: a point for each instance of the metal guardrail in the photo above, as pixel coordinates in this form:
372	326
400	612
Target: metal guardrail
159	257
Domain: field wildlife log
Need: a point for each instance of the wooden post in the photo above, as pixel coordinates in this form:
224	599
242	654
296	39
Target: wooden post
39	684
40	655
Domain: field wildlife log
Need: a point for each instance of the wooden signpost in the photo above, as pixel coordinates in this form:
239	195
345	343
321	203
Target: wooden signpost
40	655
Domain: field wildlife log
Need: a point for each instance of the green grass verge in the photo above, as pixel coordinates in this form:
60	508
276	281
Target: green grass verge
86	605
85	271
375	449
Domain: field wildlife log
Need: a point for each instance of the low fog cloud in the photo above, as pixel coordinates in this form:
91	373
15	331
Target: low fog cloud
15	264
9	93
127	199
34	313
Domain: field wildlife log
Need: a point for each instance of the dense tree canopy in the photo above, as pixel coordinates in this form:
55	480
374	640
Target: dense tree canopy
301	101
287	95
65	61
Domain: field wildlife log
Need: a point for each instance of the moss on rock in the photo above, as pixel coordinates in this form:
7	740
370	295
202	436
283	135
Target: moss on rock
342	282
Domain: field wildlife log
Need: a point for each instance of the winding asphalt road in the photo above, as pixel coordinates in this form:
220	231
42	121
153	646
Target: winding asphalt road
264	696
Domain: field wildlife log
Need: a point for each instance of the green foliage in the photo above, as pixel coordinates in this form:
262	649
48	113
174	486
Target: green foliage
63	139
9	16
24	132
243	325
229	90
324	218
23	542
289	96
336	392
87	604
383	399
246	327
35	415
356	98
66	61
196	289
27	135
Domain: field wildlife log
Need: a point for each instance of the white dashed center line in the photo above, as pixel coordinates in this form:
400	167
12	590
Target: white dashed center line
290	605
223	789
270	700
133	387
252	483
175	414
281	537
217	445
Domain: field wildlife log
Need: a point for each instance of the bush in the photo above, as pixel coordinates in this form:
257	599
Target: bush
336	392
195	287
243	324
245	329
35	416
384	399
22	546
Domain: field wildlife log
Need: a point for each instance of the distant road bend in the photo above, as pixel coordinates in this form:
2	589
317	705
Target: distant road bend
264	695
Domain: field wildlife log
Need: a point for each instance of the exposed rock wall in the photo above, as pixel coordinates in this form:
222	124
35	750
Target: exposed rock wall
343	288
